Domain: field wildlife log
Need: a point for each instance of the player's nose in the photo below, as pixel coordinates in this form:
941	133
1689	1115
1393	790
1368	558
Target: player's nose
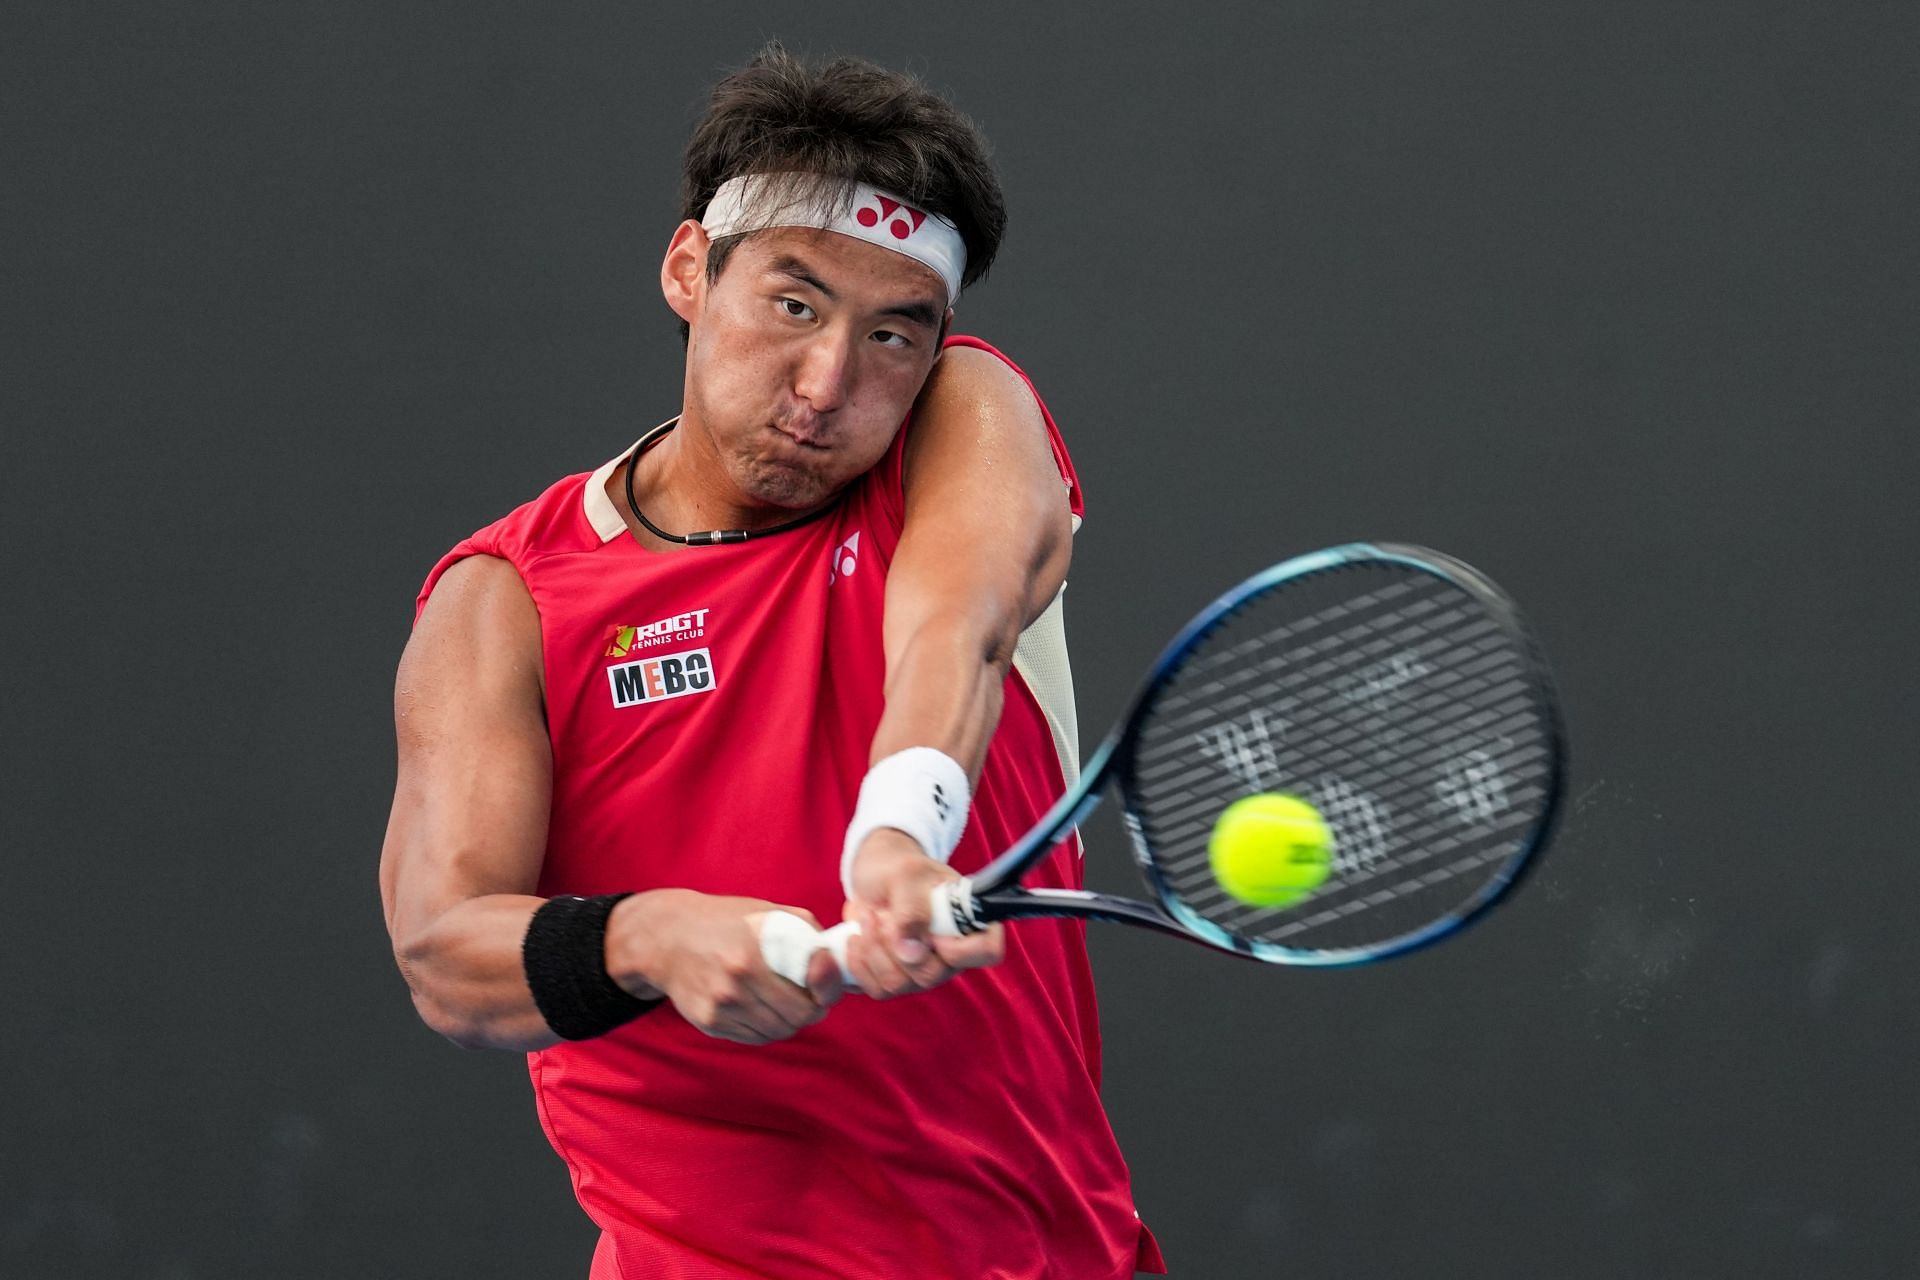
825	369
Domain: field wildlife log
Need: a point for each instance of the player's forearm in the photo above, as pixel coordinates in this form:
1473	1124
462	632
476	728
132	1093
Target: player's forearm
946	684
469	981
465	972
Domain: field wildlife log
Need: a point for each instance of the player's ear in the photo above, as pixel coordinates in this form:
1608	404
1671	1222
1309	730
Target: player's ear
683	272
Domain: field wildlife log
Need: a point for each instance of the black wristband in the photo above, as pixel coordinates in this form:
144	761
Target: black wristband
566	962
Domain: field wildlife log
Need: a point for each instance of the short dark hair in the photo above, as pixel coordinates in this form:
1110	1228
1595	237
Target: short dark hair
845	120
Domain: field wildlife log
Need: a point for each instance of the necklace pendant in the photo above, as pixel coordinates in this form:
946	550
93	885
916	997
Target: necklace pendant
715	537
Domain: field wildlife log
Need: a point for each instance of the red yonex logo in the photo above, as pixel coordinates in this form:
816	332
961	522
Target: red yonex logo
904	225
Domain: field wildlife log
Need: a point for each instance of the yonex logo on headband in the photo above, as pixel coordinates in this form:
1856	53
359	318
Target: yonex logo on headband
761	201
869	216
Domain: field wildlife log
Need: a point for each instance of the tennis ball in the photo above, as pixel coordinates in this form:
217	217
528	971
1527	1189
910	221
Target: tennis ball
1270	850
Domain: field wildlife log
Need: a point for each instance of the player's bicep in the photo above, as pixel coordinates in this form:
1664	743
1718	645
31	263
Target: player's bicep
988	521
475	767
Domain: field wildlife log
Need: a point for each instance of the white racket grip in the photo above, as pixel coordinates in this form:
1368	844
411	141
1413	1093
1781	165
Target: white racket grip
787	944
952	904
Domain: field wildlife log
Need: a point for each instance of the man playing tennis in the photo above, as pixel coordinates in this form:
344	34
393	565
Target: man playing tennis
797	648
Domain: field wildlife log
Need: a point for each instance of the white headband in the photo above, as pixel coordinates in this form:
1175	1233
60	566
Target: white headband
754	202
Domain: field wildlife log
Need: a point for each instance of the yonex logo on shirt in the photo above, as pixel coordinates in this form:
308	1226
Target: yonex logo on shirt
846	558
656	679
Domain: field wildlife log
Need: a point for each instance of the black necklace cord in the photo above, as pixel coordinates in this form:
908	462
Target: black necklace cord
706	537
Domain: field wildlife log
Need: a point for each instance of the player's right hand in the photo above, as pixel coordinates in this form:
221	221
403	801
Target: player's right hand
702	952
896	952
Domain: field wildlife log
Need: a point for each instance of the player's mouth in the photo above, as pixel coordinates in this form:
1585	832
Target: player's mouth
808	433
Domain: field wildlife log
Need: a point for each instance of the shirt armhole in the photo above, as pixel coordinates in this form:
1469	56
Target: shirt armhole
483	543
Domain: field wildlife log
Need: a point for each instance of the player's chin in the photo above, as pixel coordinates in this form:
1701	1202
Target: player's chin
794	485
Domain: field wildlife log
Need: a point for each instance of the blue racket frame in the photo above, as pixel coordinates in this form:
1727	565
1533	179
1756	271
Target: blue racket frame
992	893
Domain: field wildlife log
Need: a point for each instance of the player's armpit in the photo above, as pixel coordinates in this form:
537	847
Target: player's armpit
468	829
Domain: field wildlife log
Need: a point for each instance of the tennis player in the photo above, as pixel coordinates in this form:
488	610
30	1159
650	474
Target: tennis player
798	647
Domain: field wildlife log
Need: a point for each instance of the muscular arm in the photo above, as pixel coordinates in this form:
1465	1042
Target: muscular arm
468	835
985	549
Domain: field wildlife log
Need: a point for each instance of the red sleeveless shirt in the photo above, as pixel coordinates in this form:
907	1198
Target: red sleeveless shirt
710	713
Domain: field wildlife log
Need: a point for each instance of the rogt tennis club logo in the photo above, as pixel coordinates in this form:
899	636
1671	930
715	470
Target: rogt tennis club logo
690	625
661	677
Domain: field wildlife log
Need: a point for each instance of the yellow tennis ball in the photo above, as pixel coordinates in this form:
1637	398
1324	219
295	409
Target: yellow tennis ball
1271	850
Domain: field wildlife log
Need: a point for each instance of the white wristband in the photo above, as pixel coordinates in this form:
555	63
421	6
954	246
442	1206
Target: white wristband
920	791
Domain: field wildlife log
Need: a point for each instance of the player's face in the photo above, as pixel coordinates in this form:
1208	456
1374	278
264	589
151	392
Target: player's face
804	357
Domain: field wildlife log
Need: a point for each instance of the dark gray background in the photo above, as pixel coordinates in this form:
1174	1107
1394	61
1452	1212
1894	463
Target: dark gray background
1616	301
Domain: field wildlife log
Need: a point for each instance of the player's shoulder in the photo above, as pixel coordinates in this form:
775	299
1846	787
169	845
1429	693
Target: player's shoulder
975	378
479	589
980	376
571	516
977	370
962	351
559	520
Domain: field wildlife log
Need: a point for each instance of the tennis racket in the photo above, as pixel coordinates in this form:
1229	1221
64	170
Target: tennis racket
1395	689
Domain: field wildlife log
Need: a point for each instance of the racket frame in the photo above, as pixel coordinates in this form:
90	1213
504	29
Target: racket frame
992	893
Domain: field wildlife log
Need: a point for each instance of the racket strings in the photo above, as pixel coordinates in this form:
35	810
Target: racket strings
1390	699
1441	858
1397	782
1226	697
1415	770
1421	716
1295	646
1440	702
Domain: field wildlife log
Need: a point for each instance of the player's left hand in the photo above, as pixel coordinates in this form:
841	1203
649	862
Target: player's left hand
894	954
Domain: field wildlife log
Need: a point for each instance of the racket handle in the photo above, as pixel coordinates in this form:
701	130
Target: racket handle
787	944
954	913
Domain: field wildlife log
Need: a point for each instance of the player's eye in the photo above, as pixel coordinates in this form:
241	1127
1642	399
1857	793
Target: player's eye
888	338
796	309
